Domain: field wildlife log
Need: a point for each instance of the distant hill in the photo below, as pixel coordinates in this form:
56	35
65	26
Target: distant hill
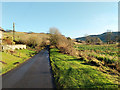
102	36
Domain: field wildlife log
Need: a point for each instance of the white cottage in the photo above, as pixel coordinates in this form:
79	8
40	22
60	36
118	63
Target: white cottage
0	37
1	34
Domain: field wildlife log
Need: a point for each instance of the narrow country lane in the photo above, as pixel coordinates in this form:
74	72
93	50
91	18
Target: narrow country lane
35	73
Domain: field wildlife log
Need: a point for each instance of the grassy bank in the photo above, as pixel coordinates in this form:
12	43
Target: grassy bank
71	72
10	61
111	49
107	55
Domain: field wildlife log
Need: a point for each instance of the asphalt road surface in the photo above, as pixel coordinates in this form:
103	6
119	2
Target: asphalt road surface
35	73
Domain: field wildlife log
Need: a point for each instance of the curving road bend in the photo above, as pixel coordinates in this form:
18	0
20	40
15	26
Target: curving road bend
35	73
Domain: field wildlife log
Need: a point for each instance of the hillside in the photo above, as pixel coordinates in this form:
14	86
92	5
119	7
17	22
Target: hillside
101	36
24	35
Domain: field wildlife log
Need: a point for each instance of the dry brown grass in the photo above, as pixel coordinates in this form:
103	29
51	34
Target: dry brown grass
118	67
8	40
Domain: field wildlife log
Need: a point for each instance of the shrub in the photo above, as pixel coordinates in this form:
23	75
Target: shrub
68	38
118	66
32	42
61	42
8	40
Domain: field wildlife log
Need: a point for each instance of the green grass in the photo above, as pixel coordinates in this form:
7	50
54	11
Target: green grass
108	53
101	49
19	56
70	72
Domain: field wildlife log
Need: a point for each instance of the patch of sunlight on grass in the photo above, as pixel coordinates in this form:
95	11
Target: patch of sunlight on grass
69	72
8	61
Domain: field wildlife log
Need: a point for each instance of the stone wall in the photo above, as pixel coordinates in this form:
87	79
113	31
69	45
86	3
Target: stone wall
13	47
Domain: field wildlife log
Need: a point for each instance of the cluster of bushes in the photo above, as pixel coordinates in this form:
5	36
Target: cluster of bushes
8	40
93	40
54	38
39	41
33	41
65	45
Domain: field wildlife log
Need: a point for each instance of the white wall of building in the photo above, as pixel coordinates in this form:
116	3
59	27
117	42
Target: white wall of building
13	47
0	37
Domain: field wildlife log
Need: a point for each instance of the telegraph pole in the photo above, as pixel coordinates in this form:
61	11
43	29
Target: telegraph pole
13	31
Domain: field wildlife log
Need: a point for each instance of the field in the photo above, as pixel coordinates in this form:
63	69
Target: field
100	49
74	72
108	54
12	60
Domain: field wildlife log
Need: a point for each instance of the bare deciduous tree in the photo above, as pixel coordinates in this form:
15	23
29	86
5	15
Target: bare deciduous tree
61	42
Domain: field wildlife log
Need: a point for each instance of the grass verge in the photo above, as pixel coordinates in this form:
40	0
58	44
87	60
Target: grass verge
10	61
70	72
